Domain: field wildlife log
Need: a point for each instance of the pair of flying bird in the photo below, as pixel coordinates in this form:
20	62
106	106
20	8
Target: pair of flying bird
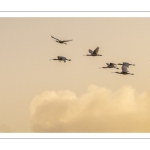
61	58
125	66
92	53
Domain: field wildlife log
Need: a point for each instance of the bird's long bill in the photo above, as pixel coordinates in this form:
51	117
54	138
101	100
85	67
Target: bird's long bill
116	72
132	64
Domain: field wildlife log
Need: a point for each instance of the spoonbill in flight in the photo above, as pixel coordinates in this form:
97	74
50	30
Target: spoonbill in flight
111	65
124	71
94	53
60	41
61	58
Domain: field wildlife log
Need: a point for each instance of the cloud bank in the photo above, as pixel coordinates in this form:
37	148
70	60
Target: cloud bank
98	110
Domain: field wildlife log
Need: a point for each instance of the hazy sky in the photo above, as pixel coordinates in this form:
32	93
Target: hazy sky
38	95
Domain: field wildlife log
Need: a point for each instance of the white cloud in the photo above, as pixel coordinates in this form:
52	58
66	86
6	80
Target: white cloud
97	110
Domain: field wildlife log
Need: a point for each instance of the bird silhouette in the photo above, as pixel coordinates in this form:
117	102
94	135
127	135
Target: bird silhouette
111	65
60	41
124	71
61	58
93	53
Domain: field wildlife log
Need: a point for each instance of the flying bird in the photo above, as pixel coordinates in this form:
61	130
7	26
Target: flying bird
124	71
93	53
126	64
59	41
111	65
61	58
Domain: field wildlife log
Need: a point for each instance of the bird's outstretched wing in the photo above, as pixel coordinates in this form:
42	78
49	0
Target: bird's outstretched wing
126	64
107	64
90	51
66	40
55	38
64	59
124	69
96	50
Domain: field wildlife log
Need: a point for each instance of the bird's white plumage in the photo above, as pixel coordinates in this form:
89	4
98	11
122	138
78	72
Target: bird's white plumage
124	68
64	59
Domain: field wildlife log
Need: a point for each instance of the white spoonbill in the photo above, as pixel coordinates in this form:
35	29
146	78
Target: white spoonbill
61	58
124	71
60	41
94	53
